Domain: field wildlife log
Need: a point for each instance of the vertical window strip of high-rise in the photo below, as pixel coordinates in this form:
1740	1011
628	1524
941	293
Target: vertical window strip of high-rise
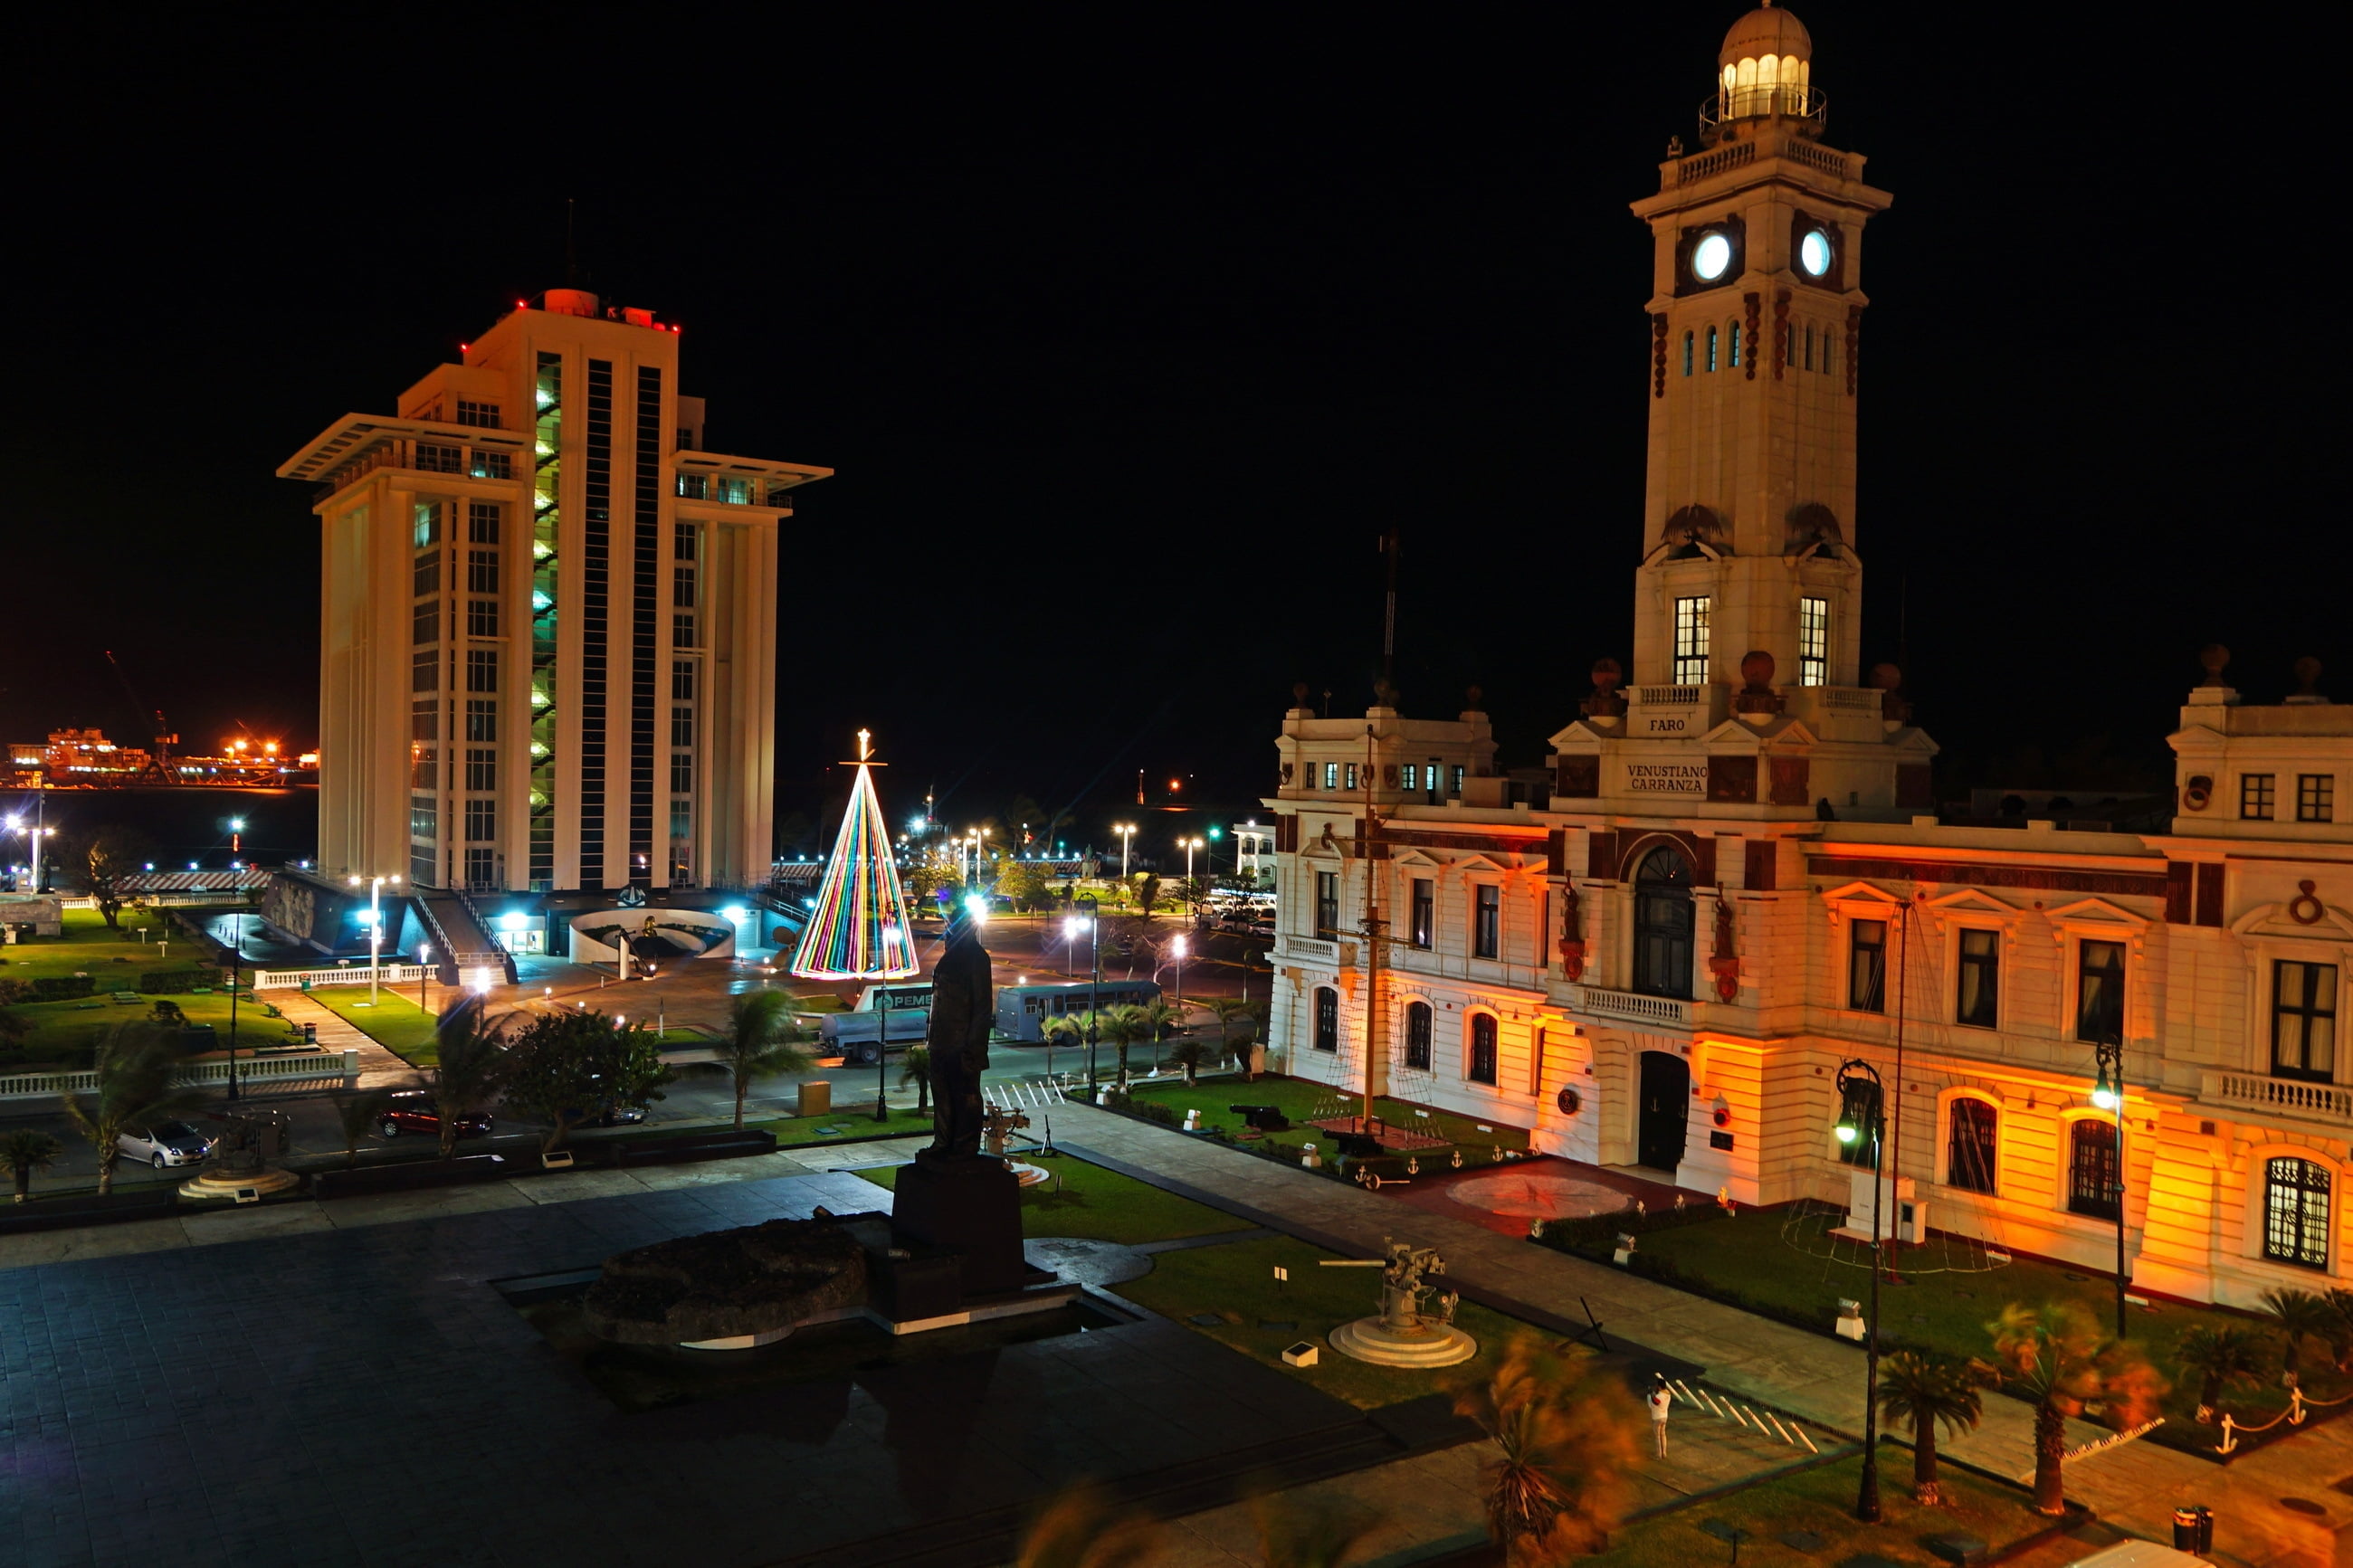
644	621
595	611
1813	641
1690	641
547	487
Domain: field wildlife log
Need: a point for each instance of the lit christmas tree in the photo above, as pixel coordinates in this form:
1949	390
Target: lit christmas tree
859	929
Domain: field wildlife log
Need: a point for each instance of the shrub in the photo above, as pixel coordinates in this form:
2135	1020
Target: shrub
62	987
15	991
158	980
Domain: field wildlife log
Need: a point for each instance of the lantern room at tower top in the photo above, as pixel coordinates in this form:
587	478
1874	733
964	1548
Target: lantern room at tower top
1765	67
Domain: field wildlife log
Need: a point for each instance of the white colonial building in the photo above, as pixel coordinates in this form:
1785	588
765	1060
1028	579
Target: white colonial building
1733	880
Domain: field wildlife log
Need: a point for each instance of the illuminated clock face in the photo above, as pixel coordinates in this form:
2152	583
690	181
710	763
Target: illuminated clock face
1814	253
1710	257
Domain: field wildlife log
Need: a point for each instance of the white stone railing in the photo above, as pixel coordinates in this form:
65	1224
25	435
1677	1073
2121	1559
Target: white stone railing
1667	696
286	979
295	1066
1314	950
1633	1004
2319	1102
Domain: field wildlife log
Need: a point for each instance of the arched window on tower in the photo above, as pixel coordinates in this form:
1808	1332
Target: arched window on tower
1687	353
1736	345
1664	924
1711	348
1822	356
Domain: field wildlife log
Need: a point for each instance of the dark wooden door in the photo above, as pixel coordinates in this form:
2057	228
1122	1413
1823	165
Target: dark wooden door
1663	1111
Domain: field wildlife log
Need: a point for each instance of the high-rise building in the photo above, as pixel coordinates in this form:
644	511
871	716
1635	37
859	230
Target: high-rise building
548	619
1729	940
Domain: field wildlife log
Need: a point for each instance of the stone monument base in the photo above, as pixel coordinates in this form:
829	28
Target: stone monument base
1431	1345
966	1212
221	1184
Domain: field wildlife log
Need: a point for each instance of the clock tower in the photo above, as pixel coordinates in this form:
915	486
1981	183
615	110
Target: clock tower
1755	309
1748	694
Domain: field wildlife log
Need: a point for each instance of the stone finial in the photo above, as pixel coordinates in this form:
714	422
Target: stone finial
1757	696
1473	697
1888	681
2308	673
1607	701
2215	658
1385	693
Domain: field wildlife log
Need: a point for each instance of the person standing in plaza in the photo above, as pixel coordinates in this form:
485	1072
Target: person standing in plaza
1659	1399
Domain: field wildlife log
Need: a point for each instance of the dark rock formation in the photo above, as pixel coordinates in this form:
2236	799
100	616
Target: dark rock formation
753	1280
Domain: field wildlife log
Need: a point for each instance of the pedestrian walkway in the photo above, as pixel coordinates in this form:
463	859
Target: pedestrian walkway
2134	1486
379	1068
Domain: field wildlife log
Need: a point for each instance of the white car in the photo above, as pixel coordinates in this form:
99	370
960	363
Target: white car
164	1144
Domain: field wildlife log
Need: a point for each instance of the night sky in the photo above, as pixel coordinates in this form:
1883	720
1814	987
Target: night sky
1127	338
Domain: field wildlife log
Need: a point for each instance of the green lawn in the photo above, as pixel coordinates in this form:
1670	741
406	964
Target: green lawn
1089	1201
1235	1282
88	945
1821	1501
1299	1099
395	1022
1745	1259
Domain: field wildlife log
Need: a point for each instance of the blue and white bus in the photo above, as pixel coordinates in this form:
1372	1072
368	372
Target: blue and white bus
1022	1010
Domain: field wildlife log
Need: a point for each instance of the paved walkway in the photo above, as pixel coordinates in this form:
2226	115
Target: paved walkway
379	1068
2135	1487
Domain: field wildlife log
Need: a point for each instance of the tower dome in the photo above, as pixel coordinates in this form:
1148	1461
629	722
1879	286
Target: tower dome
1766	67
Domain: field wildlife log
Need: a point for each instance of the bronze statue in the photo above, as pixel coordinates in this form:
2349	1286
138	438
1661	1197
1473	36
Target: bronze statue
963	1007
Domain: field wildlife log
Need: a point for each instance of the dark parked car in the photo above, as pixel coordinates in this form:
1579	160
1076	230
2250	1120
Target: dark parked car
413	1111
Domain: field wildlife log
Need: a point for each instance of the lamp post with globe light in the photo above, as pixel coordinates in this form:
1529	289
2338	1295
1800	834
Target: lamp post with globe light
1861	1122
2108	1094
375	928
1094	989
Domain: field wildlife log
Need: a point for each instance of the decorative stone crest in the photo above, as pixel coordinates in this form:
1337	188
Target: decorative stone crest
1607	701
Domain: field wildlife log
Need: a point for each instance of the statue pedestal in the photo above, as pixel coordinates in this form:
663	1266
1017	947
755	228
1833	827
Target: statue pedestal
215	1183
967	1205
1426	1345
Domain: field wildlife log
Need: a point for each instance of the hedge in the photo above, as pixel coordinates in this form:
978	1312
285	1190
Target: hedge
174	980
62	987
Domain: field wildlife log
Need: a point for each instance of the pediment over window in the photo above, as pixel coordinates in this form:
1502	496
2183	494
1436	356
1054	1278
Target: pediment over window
1420	860
1863	901
1971	901
2097	917
2308	919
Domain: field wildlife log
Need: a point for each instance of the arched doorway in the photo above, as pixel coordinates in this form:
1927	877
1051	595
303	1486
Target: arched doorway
1663	1111
1664	924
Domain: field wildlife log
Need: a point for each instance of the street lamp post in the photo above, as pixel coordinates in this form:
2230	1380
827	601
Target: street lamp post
1860	1119
235	956
1177	948
375	930
2108	1094
882	1054
1094	989
424	970
1126	831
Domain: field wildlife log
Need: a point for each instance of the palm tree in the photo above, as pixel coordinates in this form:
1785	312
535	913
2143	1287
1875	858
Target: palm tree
2298	1315
137	1069
1063	1028
465	1078
356	1113
1122	1027
2062	1363
1147	892
2340	1335
1079	1529
1928	1391
915	1068
1564	1444
757	1043
25	1152
1192	1056
1165	1021
1302	1530
2220	1356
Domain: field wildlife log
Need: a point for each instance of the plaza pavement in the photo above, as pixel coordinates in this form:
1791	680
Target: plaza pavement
2133	1486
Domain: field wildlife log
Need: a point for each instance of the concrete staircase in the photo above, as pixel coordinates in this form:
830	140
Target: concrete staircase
461	941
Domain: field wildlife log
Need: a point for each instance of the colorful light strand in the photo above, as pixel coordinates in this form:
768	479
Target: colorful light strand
859	929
